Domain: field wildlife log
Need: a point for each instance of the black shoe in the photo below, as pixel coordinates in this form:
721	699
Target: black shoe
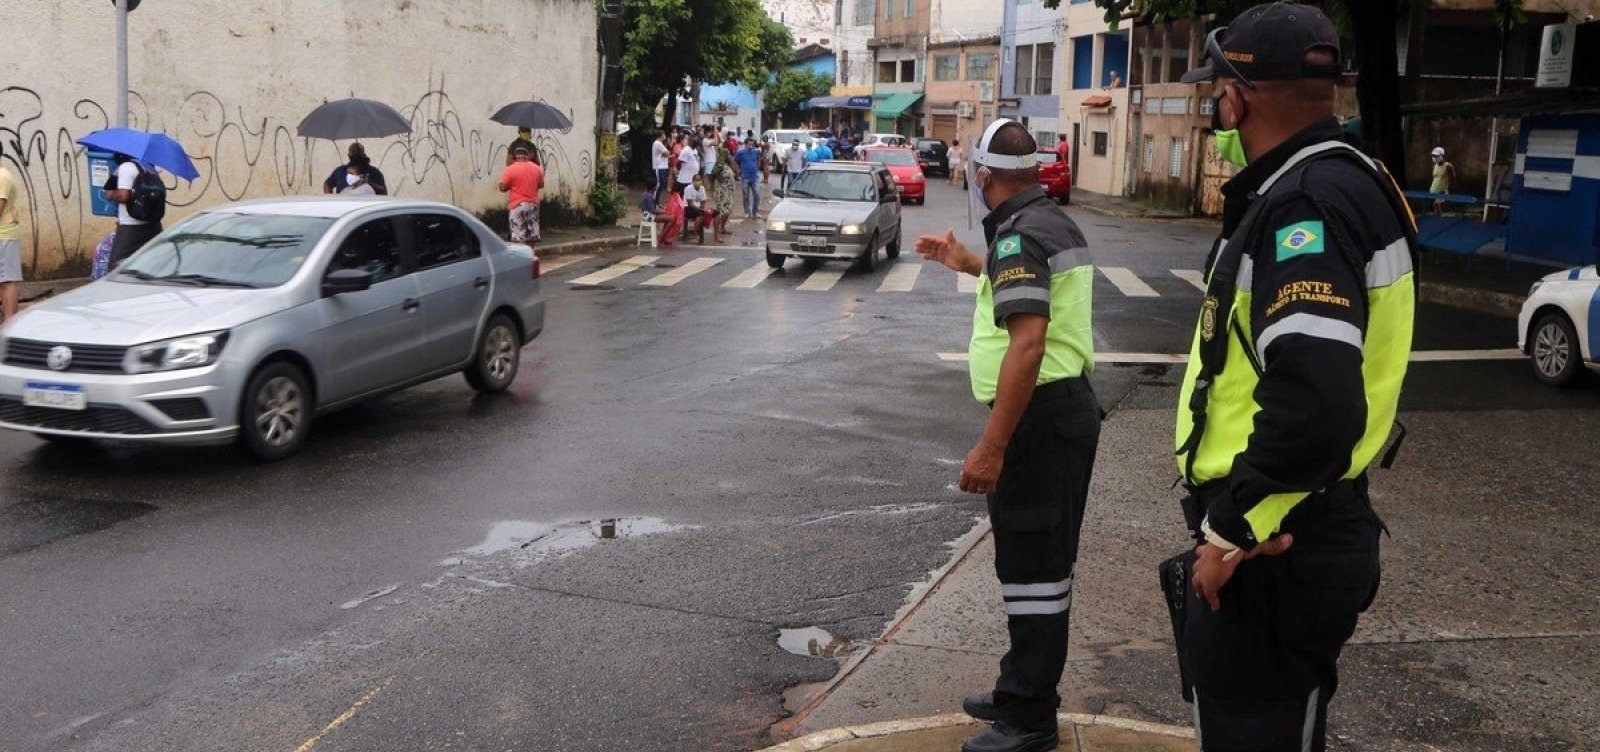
1004	737
981	707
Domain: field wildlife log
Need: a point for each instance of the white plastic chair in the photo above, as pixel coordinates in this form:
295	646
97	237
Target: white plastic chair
647	231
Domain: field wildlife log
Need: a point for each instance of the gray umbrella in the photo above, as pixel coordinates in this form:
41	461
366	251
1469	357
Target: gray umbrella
533	115
353	118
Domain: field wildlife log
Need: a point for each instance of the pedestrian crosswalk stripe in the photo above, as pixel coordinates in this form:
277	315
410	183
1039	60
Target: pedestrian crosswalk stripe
693	267
752	276
547	266
822	280
618	269
1128	282
966	283
1198	279
902	277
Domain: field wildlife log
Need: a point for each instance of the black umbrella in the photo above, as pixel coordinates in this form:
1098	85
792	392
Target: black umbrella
353	118
534	116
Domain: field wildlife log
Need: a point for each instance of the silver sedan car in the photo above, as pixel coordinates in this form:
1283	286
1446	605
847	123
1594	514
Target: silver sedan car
836	210
246	321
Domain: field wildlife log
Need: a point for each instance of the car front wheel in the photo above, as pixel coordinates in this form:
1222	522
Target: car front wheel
774	260
494	364
869	260
275	414
892	250
1556	360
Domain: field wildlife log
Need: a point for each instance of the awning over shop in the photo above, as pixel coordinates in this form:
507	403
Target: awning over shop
838	103
1532	102
895	105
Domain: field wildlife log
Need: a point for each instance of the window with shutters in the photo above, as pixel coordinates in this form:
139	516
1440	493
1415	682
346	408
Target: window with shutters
980	66
947	67
1149	153
1023	84
1175	159
1044	62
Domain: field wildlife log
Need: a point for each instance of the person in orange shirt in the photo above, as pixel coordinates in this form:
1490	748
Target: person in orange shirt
522	179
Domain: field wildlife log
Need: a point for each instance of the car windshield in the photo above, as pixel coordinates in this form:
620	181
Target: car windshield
220	249
894	157
832	185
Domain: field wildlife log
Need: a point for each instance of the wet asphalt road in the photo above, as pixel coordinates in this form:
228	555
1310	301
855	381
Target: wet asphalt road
436	570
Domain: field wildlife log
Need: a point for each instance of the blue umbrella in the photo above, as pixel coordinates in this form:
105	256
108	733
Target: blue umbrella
155	149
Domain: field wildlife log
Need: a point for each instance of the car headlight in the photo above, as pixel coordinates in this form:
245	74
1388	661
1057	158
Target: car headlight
917	178
852	230
195	351
1538	283
776	226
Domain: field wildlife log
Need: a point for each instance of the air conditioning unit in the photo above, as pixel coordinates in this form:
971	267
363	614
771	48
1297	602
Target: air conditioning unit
964	109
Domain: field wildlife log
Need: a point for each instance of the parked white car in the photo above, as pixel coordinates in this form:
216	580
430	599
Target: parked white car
1559	325
876	140
783	141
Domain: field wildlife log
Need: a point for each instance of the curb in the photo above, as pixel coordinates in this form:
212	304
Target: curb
825	739
1473	299
586	244
1106	211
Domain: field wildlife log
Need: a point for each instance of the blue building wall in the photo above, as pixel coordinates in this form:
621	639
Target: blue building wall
1549	222
1031	23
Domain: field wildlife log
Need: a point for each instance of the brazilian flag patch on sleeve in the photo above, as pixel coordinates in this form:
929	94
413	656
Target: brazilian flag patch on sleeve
1008	246
1300	239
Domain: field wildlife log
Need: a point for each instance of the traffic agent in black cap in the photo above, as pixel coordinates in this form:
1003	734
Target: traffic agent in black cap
1302	343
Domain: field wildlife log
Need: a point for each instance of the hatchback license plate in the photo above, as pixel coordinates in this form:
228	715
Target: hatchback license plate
813	244
56	396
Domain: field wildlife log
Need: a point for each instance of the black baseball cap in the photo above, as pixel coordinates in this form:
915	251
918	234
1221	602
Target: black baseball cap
1269	43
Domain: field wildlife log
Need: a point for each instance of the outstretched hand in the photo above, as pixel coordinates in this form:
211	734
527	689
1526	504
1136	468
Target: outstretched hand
949	252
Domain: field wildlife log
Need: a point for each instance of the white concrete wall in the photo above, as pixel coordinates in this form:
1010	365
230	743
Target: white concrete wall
231	80
956	20
811	20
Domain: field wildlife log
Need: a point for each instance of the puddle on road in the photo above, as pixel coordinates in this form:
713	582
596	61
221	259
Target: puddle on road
30	520
815	642
540	539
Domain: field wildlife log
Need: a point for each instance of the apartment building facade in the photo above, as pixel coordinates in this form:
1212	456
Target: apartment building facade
899	47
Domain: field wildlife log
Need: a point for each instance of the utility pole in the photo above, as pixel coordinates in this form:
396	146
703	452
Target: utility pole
122	63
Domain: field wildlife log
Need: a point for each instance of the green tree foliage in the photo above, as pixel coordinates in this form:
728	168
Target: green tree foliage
666	42
795	85
1370	25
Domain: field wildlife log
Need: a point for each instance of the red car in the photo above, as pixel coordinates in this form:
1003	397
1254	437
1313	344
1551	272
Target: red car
1055	175
902	163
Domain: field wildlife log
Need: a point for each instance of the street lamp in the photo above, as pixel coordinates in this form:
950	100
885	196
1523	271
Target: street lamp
123	8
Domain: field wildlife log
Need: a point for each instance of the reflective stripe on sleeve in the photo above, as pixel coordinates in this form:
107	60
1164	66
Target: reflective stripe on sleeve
1311	325
1038	608
1389	264
1069	259
1247	272
1012	294
1037	590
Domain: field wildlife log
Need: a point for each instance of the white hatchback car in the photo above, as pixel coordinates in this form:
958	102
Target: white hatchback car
1559	325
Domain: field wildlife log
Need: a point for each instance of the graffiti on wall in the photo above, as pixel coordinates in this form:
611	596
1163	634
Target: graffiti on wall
241	154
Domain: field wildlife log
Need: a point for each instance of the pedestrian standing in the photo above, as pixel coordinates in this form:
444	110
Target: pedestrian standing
727	185
708	160
524	140
957	173
794	162
766	159
522	181
688	167
660	161
134	231
10	242
752	163
1031	353
338	180
1298	357
1444	178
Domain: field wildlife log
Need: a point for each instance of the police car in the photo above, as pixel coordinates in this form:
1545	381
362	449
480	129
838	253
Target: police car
1559	326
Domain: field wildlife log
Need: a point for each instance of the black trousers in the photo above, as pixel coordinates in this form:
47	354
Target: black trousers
1037	512
130	238
1265	666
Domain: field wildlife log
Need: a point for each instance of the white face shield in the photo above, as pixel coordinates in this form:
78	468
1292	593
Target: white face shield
980	157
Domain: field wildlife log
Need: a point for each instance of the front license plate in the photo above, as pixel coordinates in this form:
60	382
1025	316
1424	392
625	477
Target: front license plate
56	396
813	244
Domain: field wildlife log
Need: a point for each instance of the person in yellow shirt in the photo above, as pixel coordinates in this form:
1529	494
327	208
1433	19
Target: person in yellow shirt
1444	177
10	242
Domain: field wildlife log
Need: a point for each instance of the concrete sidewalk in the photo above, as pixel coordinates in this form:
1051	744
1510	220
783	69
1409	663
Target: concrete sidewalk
944	643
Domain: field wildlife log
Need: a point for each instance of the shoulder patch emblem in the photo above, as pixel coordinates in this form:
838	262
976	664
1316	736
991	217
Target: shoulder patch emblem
1300	239
1008	246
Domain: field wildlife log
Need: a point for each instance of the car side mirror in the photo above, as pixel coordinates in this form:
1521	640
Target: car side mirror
346	280
890	196
777	192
